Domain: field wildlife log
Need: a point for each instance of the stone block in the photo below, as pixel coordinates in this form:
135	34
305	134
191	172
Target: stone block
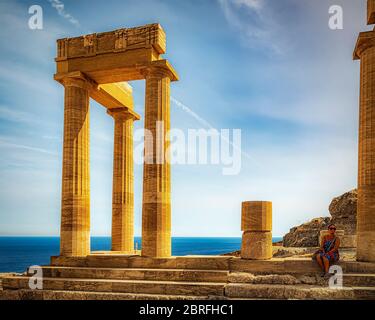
256	245
349	241
256	216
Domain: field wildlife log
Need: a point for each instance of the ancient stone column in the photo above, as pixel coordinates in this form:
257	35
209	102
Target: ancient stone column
370	11
256	224
156	209
75	203
123	181
365	51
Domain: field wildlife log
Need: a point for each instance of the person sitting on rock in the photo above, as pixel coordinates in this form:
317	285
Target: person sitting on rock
329	250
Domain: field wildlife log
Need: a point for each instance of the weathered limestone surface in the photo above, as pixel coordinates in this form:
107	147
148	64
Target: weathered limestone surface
198	277
123	181
264	291
365	51
256	224
275	265
184	275
256	245
114	56
156	209
121	286
256	216
75	204
24	294
370	11
349	241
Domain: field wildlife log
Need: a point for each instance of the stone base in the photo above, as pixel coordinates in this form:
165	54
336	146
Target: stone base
349	241
256	245
366	246
190	277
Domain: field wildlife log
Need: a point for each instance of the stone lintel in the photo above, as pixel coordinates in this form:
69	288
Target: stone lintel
125	112
113	95
110	96
370	11
365	40
121	91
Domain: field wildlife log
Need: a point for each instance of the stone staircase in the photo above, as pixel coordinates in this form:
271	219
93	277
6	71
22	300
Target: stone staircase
104	277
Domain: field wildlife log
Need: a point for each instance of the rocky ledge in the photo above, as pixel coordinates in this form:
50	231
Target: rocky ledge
343	211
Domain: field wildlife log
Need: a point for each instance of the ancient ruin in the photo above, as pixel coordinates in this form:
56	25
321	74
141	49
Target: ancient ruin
365	51
98	66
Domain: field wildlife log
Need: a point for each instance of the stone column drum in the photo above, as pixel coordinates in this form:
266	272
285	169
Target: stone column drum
123	181
156	209
256	224
365	51
75	204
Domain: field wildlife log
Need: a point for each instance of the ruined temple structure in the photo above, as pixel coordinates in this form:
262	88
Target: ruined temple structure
98	66
365	51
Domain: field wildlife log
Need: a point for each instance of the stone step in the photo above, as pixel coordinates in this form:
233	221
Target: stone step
358	267
120	286
359	280
136	274
264	291
275	265
27	294
137	262
349	279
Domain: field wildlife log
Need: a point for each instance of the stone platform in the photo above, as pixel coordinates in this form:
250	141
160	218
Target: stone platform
125	277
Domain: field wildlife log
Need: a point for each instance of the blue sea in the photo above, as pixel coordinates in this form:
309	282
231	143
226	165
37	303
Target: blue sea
18	253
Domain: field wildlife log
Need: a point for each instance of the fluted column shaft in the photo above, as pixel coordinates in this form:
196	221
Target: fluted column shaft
75	204
123	183
366	164
156	208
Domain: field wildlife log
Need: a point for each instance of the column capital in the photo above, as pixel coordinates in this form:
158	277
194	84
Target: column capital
123	114
365	41
74	79
160	69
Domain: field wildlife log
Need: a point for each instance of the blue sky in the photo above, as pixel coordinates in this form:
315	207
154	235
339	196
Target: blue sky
270	68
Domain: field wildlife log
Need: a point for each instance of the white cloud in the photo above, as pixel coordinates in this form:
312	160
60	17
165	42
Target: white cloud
255	28
6	144
252	4
60	8
9	114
